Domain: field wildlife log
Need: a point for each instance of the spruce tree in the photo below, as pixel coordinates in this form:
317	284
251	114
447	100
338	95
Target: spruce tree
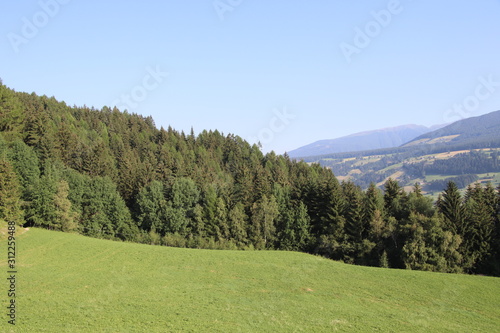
451	206
10	193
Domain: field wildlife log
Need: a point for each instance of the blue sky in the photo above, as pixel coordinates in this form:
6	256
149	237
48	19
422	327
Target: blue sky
286	73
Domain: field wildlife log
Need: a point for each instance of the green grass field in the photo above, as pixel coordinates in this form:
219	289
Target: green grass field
71	283
493	177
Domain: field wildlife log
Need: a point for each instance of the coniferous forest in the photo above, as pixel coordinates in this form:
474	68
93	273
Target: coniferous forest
115	175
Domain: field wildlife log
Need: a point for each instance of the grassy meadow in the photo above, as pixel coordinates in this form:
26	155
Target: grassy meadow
71	283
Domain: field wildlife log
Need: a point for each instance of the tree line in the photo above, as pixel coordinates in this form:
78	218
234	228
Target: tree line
110	174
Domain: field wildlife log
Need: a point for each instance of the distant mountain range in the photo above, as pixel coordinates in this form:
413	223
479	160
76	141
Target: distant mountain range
369	140
464	152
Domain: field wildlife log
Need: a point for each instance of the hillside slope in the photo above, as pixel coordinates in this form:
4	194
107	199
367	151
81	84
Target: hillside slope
70	283
484	129
381	138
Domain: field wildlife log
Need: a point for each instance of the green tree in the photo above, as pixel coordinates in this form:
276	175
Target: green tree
325	206
209	211
221	219
353	213
104	213
293	224
373	201
10	193
395	200
65	217
418	203
450	204
429	247
151	207
180	212
300	227
41	210
479	212
237	220
262	229
11	113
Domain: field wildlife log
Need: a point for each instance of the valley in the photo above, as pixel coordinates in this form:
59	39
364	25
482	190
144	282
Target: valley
464	152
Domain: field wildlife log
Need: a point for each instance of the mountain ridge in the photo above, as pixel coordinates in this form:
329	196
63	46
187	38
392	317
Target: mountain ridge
485	126
366	140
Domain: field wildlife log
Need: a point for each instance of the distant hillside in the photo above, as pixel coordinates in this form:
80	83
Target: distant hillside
484	129
463	152
381	138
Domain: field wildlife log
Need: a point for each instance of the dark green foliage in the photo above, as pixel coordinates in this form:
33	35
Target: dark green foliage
292	222
461	182
451	206
429	247
104	213
114	175
466	163
151	207
237	220
420	204
41	210
395	200
26	165
262	228
180	211
11	113
10	193
480	214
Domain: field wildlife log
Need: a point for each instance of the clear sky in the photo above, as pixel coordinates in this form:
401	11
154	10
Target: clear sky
285	72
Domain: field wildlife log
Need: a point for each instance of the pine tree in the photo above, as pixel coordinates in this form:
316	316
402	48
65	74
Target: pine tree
451	206
481	226
373	201
209	201
41	210
11	113
395	200
262	229
301	226
353	213
221	219
10	193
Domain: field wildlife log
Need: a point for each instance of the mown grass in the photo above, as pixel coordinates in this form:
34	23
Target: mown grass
493	177
71	283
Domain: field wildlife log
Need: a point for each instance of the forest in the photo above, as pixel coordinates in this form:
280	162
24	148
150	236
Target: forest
111	174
